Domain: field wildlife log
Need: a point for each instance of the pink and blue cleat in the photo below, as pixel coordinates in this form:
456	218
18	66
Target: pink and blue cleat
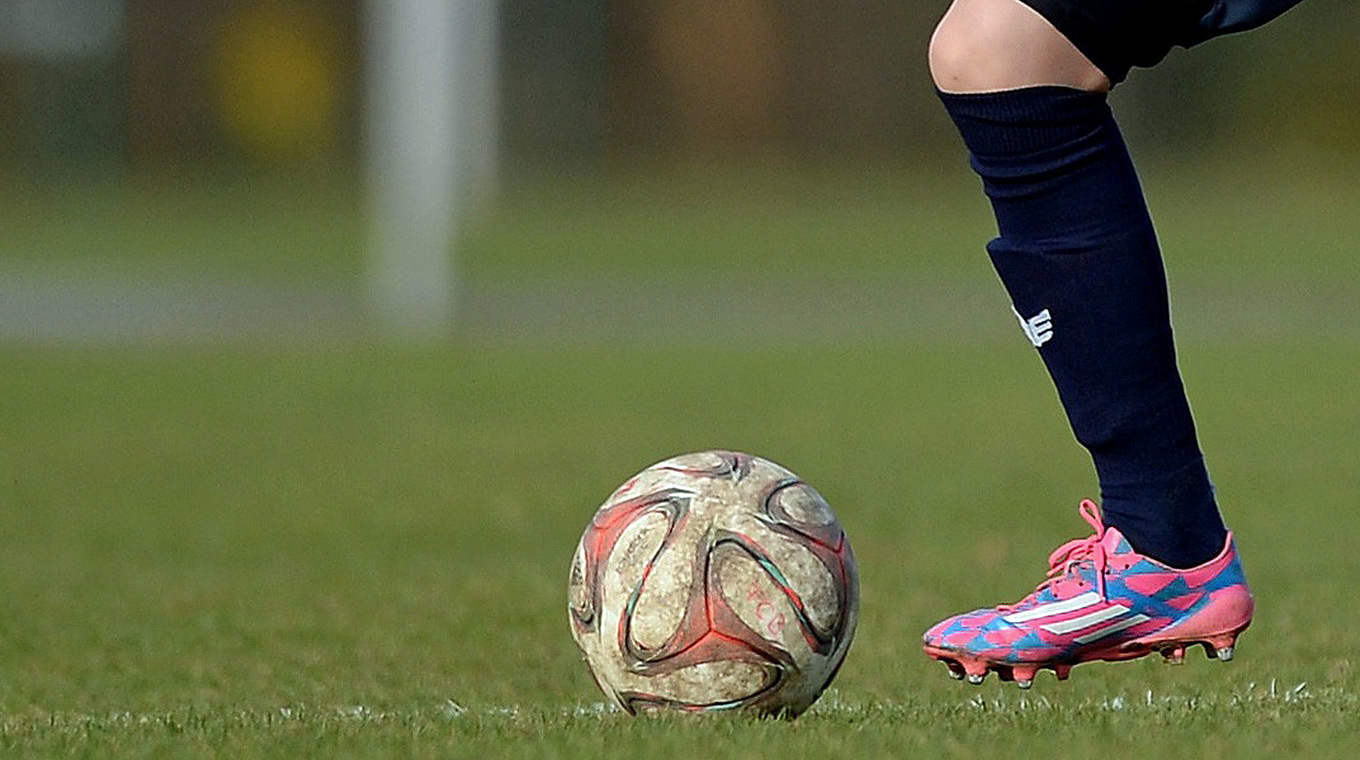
1101	601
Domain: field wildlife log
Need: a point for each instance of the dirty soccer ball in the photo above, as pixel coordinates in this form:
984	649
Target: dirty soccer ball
714	581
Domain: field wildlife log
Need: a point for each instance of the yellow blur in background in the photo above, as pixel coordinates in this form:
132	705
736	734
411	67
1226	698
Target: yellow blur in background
278	81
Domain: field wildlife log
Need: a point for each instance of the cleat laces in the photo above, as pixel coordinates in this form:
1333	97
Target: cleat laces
1074	553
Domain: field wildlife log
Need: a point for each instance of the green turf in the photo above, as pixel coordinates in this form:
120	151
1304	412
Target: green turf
277	228
288	550
355	550
1286	221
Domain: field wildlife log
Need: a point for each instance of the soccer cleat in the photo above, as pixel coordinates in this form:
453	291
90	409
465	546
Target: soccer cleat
1101	601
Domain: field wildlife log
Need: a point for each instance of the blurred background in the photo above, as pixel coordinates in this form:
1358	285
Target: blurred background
610	232
195	169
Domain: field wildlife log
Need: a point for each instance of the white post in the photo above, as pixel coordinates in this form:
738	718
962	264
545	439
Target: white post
411	133
431	147
478	150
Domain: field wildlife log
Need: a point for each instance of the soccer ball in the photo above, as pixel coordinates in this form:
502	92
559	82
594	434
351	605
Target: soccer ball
714	581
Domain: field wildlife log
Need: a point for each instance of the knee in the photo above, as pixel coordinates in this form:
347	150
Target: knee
983	45
957	55
972	44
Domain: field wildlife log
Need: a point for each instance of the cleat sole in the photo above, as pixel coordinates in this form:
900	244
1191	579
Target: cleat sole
974	669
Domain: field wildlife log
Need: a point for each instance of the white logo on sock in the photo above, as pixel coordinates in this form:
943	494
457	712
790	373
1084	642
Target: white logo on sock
1038	328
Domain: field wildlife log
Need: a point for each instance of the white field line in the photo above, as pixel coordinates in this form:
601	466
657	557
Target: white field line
1272	695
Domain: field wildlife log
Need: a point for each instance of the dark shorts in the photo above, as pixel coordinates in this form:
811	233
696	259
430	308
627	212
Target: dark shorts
1120	34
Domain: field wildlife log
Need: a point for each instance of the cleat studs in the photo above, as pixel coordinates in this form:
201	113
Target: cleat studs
1174	655
1062	671
1024	675
1221	646
955	672
974	667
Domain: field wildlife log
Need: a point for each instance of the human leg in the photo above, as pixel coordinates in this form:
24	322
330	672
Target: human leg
1079	257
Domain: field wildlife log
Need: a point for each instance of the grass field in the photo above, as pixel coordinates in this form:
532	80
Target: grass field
291	549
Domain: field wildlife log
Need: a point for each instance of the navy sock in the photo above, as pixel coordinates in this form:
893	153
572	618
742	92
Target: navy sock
1079	256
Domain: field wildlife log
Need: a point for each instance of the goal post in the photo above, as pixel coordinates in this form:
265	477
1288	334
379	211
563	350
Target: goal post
430	131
